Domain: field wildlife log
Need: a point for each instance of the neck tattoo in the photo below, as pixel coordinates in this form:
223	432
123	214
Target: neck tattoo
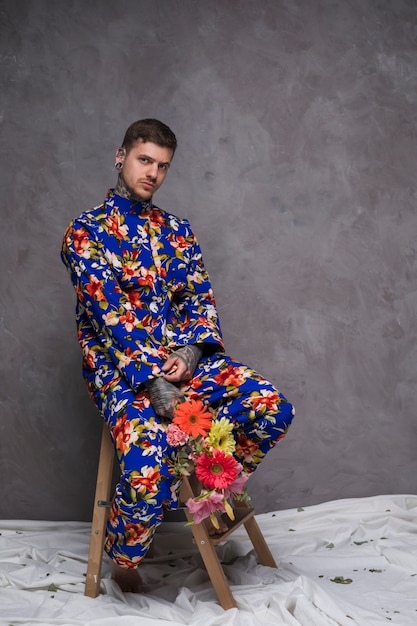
122	190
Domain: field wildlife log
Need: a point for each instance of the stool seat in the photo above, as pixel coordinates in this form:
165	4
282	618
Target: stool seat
206	544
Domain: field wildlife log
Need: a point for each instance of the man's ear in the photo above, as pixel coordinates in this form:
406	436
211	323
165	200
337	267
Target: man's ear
120	157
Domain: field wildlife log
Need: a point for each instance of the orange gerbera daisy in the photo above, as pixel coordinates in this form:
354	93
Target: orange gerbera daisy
193	418
217	470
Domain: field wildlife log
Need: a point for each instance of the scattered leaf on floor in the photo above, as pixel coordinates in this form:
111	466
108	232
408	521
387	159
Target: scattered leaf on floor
341	580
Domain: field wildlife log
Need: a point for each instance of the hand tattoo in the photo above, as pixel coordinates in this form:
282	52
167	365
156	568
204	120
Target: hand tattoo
164	397
190	355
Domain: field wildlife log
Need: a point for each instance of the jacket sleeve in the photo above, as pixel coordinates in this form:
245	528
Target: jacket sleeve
198	320
120	328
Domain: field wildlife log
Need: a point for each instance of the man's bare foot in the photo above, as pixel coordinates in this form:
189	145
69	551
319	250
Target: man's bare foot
127	579
212	530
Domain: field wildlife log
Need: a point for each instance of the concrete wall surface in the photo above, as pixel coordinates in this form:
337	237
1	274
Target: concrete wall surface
296	166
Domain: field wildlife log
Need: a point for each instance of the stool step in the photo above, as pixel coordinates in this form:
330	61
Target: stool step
242	515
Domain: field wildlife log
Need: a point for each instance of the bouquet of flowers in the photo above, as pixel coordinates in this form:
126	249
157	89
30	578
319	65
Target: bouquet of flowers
206	444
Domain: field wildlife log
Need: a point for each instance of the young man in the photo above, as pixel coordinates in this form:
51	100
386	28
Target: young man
150	337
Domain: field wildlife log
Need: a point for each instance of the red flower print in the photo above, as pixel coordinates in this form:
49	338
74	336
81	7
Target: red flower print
129	270
203	321
115	228
114	515
79	293
124	434
246	448
135	533
179	241
128	321
268	400
95	288
232	376
125	562
106	386
147	481
90	358
196	383
156	218
147	277
149	323
81	243
134	299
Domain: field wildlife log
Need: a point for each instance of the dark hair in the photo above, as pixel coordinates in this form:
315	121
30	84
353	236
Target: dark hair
149	130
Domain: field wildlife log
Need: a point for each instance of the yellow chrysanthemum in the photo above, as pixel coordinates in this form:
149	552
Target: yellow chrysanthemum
220	436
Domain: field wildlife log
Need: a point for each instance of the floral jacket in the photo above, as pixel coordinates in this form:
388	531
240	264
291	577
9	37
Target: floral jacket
142	289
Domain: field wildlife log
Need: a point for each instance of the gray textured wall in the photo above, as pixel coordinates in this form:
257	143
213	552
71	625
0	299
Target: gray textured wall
296	122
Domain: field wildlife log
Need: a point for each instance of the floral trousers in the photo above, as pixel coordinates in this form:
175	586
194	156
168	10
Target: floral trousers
261	416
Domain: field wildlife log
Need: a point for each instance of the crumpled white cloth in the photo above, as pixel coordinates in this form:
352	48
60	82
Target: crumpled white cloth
348	562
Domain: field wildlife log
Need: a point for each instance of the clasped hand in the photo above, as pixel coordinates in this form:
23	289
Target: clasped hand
178	368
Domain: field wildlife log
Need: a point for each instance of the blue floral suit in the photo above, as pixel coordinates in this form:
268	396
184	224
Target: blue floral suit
142	292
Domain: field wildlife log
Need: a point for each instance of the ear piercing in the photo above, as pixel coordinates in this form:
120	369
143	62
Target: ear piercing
120	152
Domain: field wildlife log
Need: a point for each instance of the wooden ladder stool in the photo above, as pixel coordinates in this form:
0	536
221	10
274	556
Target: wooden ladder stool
206	543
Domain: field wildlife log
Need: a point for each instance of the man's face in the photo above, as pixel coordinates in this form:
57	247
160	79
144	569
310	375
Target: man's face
144	168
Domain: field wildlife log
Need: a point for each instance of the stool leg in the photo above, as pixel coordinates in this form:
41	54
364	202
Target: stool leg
100	512
208	554
259	543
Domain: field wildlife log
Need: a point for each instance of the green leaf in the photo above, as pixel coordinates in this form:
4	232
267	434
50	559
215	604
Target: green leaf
52	587
330	545
341	580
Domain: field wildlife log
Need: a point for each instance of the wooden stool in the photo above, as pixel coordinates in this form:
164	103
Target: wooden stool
205	543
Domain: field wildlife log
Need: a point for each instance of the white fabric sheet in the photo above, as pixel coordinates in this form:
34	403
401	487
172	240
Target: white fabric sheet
371	542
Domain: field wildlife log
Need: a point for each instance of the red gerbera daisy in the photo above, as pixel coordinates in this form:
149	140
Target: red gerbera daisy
193	418
217	470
